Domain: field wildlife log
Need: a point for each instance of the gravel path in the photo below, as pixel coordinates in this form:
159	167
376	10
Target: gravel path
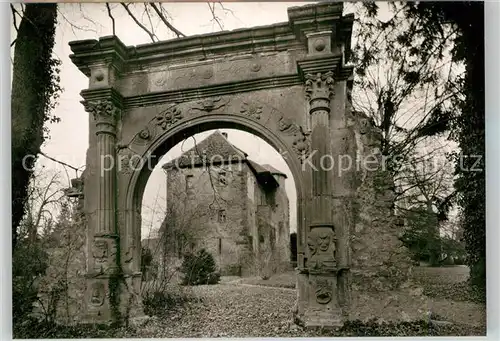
229	310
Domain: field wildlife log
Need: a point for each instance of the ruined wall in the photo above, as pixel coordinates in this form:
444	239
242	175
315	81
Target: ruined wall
375	247
214	209
380	264
282	217
273	227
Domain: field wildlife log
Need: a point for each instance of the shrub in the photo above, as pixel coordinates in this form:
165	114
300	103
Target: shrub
29	263
460	261
199	269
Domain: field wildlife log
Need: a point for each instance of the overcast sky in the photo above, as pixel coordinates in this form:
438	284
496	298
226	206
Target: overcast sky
69	138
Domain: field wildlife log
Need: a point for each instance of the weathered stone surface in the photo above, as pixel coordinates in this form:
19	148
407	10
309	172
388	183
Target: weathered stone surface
387	306
379	261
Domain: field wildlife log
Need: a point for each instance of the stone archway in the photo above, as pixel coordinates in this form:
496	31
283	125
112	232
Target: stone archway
137	182
287	83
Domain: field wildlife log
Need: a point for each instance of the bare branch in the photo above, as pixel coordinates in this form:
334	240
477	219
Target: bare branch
165	21
151	34
61	162
93	22
146	10
112	18
72	25
14	12
212	9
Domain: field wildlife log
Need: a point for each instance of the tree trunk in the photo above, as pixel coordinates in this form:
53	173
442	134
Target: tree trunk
433	241
472	143
32	89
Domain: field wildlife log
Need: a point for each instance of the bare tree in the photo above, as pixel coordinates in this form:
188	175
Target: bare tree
45	193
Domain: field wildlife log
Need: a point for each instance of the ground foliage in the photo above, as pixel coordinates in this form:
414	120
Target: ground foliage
460	292
266	312
163	303
247	312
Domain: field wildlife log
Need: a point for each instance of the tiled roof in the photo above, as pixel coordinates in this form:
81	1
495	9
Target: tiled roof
273	170
215	148
263	175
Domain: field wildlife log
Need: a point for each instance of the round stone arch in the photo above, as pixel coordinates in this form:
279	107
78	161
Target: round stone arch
132	202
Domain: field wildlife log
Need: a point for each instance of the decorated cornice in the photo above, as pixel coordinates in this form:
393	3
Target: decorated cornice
322	16
285	36
325	64
107	50
185	95
108	93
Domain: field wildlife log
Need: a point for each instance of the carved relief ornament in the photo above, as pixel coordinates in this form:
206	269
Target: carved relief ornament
322	248
103	111
253	111
209	105
128	162
301	144
319	85
169	117
324	291
98	294
103	255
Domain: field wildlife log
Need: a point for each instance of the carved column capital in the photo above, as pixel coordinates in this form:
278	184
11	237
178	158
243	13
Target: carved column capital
319	86
105	114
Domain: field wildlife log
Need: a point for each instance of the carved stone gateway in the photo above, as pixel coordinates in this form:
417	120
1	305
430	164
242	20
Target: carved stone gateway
286	83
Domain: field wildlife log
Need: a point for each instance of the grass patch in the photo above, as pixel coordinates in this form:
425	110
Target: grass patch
459	292
417	328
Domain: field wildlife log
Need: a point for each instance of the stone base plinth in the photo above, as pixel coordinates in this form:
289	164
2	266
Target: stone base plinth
375	300
113	299
318	301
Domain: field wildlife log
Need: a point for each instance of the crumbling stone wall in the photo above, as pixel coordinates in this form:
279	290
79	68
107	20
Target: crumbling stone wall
375	248
274	228
380	264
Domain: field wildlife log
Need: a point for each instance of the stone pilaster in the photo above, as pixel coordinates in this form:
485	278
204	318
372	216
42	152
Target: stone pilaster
318	89
322	290
102	267
322	307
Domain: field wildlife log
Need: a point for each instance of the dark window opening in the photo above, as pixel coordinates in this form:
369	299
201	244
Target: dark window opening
222	178
189	181
222	216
